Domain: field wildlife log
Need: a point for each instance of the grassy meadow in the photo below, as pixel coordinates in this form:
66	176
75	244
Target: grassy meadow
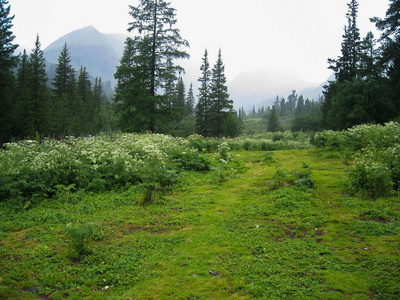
219	222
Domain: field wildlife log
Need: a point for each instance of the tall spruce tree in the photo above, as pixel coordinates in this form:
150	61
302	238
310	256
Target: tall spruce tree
65	103
221	105
273	121
334	109
7	63
156	42
190	101
132	90
23	105
390	39
85	94
40	93
346	66
203	107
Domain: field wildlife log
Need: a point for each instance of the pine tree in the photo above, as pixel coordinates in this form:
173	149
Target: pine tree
156	42
7	63
40	93
203	107
190	101
369	66
7	48
390	39
64	92
346	66
85	94
220	102
98	112
273	121
300	106
64	80
24	106
132	91
180	95
282	108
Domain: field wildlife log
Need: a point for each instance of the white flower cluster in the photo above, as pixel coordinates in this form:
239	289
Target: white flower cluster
132	151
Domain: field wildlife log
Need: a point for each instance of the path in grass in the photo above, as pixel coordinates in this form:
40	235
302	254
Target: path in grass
209	239
243	243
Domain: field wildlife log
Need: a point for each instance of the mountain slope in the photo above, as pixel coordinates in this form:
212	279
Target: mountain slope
98	52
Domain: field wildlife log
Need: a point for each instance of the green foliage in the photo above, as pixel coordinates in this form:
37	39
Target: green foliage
273	121
147	65
298	178
79	236
376	167
371	178
229	239
32	171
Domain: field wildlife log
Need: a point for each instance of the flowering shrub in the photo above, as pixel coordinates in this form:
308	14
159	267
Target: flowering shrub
31	171
371	178
359	137
376	171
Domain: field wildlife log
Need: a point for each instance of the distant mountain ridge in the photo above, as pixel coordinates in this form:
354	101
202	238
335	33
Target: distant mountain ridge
101	53
260	87
98	52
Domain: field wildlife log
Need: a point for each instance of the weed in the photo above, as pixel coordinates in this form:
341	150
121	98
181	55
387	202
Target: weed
79	236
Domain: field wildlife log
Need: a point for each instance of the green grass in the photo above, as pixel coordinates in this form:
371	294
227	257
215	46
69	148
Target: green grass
212	236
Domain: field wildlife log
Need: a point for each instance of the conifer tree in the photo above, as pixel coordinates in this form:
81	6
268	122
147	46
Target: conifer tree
7	48
203	107
7	63
346	66
190	101
156	42
24	106
40	93
273	121
64	81
84	91
66	105
220	102
180	95
96	112
390	39
300	106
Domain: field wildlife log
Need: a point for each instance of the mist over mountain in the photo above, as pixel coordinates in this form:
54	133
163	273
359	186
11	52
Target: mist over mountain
99	53
260	87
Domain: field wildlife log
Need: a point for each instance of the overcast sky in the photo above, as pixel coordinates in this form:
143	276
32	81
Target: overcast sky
295	35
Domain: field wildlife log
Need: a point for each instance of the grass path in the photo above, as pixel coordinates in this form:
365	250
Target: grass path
215	240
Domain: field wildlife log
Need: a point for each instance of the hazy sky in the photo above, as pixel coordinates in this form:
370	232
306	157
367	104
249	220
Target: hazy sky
296	35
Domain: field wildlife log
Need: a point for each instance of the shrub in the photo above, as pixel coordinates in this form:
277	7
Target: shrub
79	236
370	178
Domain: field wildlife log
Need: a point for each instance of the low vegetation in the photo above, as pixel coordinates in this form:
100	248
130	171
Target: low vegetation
155	217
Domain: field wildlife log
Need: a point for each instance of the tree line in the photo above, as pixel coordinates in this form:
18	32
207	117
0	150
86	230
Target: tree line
150	93
367	73
32	106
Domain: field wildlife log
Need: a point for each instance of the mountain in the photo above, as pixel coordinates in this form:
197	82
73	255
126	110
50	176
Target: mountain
99	53
260	87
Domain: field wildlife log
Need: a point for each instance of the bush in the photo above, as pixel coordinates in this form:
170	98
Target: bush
79	236
372	179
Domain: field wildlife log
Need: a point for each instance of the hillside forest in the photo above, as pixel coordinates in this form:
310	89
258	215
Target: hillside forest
168	193
151	96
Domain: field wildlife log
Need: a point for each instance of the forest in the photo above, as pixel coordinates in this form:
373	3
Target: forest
157	195
151	95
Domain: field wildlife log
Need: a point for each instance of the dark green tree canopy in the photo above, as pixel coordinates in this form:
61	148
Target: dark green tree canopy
204	98
64	80
147	61
7	48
